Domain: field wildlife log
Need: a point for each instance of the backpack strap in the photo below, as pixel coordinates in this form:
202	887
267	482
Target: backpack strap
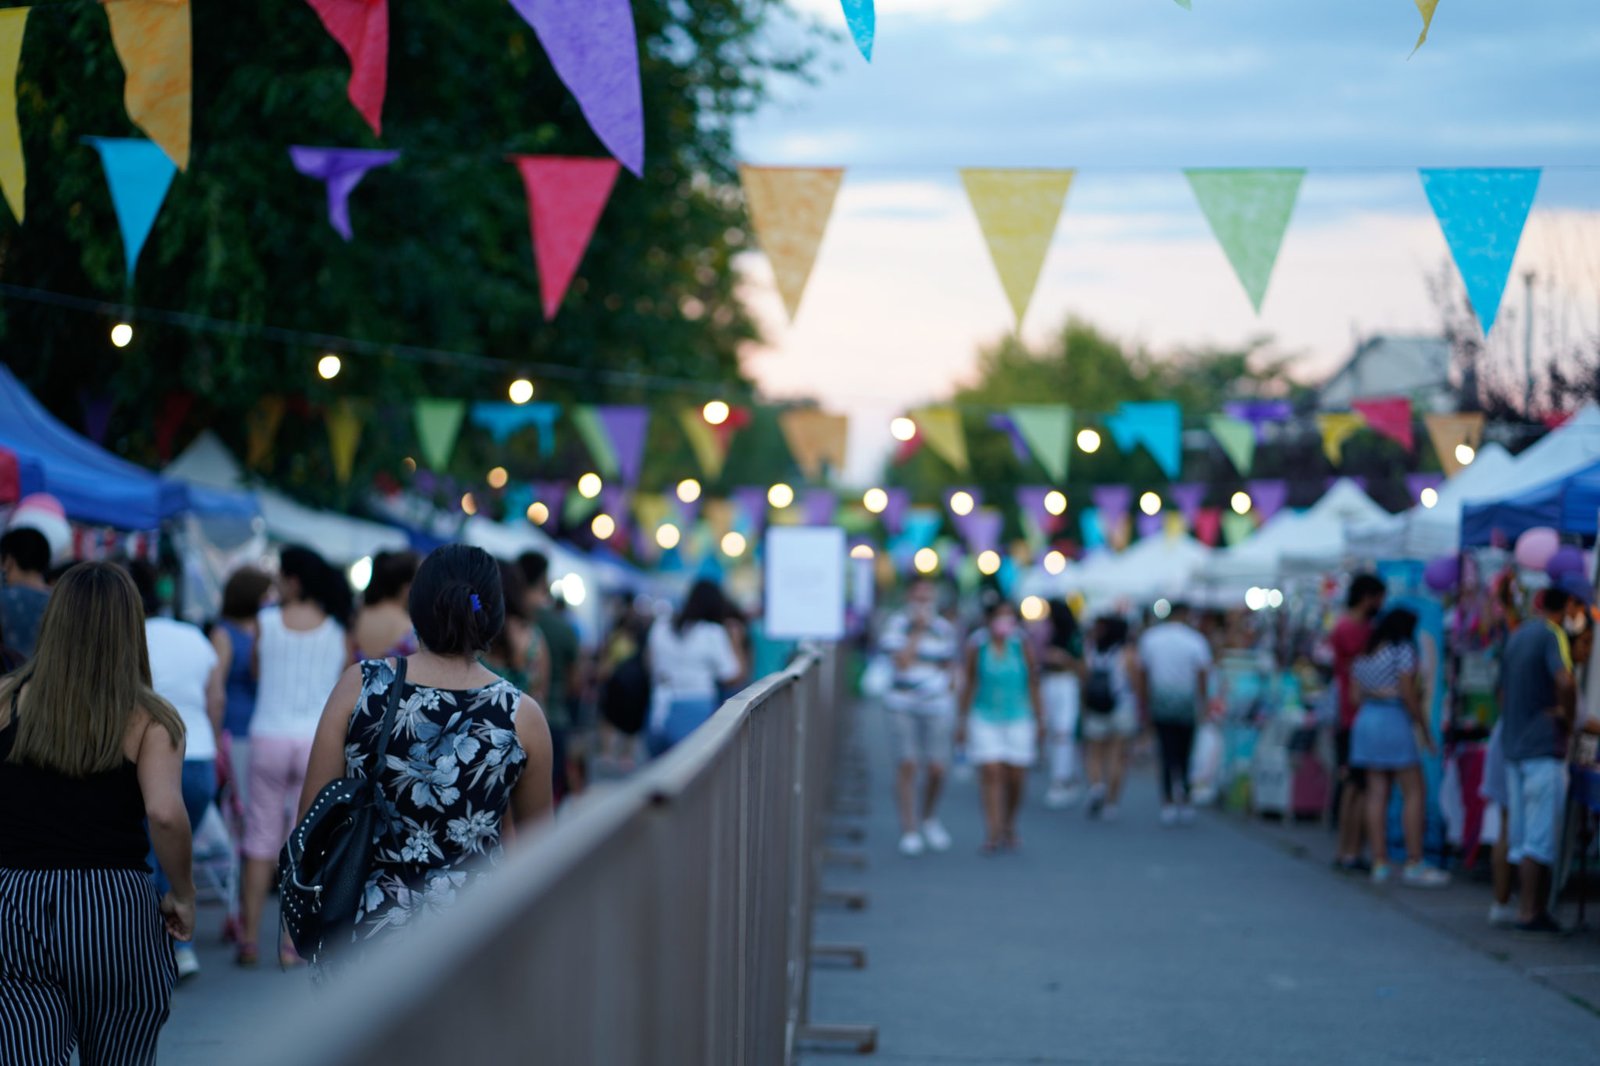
389	711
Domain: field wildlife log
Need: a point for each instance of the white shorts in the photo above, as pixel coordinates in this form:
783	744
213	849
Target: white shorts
1012	743
1538	808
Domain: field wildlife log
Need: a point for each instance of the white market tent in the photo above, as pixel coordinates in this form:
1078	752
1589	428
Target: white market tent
1291	541
1424	533
1319	541
1155	567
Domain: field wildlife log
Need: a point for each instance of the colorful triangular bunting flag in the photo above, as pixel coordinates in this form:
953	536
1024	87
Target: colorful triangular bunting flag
362	29
1448	432
1018	211
566	196
789	210
1482	213
1337	428
341	169
815	437
1157	425
941	429
1388	417
863	19
1237	439
139	173
1425	8
710	447
1249	212
438	424
154	42
1048	433
344	420
13	168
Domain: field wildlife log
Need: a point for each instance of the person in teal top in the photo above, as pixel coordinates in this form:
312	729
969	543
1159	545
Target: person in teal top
1002	721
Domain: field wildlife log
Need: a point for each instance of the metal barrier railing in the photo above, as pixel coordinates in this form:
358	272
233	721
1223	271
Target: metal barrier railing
667	920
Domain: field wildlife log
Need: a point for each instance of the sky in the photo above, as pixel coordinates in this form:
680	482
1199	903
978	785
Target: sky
1130	92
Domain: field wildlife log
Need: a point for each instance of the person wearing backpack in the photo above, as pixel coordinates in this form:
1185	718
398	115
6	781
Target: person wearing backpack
1110	715
624	688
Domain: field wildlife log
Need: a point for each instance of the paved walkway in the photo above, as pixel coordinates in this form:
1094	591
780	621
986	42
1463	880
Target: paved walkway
1128	943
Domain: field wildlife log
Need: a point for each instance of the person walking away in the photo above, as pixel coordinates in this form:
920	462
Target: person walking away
922	648
691	655
24	559
469	755
300	653
1109	715
1348	641
562	645
1174	666
1537	707
183	671
1002	721
88	759
1390	735
624	687
1062	664
383	628
517	652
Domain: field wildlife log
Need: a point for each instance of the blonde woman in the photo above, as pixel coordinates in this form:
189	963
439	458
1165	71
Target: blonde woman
88	755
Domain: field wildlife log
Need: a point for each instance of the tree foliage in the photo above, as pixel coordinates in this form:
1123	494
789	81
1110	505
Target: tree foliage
441	261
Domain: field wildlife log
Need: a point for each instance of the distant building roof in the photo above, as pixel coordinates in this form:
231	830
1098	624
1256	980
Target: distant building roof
1417	367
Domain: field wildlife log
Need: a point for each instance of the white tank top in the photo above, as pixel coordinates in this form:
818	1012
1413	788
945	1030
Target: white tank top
298	670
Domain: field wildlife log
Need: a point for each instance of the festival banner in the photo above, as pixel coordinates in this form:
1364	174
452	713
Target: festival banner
1237	439
1448	432
1415	483
894	515
710	447
595	51
815	437
139	174
1237	528
505	420
261	429
940	429
1388	417
153	41
1259	413
1267	498
819	506
1090	529
615	436
362	29
1018	211
789	209
1249	212
344	421
1157	426
1482	213
862	17
13	167
1111	504
566	196
981	530
341	169
1189	496
1047	430
1150	525
1208	526
1336	428
438	424
1425	8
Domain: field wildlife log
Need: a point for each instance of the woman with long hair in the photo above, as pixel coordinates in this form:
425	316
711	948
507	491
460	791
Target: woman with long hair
1110	715
1001	721
692	659
1387	741
467	750
1061	663
301	650
89	756
383	629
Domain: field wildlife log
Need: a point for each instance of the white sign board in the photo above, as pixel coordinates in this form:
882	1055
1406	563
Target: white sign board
805	593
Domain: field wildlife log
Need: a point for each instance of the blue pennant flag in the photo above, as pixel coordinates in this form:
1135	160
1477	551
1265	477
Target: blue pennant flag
1482	213
1158	426
1090	529
863	18
139	173
503	420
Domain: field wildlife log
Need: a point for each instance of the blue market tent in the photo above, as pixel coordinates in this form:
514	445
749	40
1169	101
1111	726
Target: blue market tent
1570	505
93	485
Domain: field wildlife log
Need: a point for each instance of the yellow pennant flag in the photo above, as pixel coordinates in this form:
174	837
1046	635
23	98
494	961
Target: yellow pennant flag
344	421
13	169
815	437
1449	432
1018	211
942	431
1336	429
261	429
153	41
710	448
1425	8
789	208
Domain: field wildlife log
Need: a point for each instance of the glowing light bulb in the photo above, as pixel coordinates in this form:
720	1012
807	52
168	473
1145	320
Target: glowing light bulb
988	563
689	490
328	366
863	551
1429	497
780	496
875	500
603	526
498	477
903	429
1033	609
1150	503
122	336
716	413
538	513
1465	453
1054	563
926	561
668	536
521	391
1088	441
1242	502
734	545
589	486
469	504
962	503
1055	502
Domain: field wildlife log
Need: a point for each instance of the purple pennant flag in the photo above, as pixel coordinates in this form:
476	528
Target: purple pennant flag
595	50
688	513
819	507
1259	413
752	500
1357	480
981	530
1267	497
1415	483
894	515
1189	496
342	170
614	502
1019	446
96	414
552	494
1112	501
1150	525
1030	501
626	428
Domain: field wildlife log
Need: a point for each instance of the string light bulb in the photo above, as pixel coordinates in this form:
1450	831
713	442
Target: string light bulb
1088	441
1054	563
875	500
926	561
988	563
589	485
962	503
1242	502
668	536
1429	497
498	477
716	413
469	504
328	366
1033	609
1150	503
689	490
538	513
733	545
603	526
1055	502
903	429
780	496
521	391
863	551
121	335
1465	453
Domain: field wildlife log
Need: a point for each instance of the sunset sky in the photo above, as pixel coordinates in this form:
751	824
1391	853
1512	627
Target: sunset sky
1130	92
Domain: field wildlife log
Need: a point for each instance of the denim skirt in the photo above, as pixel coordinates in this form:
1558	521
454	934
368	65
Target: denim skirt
1382	738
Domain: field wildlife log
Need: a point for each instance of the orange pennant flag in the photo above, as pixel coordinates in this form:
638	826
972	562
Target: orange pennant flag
1452	436
261	429
789	209
154	43
815	437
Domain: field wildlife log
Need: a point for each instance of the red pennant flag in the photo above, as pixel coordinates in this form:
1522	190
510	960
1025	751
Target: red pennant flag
174	409
738	418
362	29
565	198
1389	417
1208	525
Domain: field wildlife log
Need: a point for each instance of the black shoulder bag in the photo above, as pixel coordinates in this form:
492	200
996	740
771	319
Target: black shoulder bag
323	869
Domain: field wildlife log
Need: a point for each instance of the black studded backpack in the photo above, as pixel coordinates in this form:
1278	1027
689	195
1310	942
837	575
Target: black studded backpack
324	866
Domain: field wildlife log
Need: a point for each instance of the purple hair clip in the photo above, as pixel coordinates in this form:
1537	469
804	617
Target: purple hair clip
477	604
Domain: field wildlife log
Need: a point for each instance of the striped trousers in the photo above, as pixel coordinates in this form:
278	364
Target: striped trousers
85	963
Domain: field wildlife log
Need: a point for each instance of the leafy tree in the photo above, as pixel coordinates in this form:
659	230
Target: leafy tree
441	262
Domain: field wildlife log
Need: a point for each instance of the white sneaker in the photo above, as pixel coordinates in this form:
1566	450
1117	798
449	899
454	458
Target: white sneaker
1169	815
1187	815
188	961
935	835
1421	875
911	845
1504	915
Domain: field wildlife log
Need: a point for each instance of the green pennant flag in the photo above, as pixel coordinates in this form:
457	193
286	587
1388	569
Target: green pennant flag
1238	440
596	439
438	424
1236	528
1048	433
1249	213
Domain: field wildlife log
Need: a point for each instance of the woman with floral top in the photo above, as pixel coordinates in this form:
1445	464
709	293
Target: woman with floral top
467	751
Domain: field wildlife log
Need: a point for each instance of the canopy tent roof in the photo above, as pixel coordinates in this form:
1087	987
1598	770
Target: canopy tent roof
1568	504
1424	533
93	485
1309	539
1154	567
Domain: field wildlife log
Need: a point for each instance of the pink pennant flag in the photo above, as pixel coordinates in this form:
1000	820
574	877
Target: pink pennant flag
1208	525
1389	417
362	29
342	170
565	198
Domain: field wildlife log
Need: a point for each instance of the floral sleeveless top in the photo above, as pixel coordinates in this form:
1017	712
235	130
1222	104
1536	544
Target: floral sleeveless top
446	783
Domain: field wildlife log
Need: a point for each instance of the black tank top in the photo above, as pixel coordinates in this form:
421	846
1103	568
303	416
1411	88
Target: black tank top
49	821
